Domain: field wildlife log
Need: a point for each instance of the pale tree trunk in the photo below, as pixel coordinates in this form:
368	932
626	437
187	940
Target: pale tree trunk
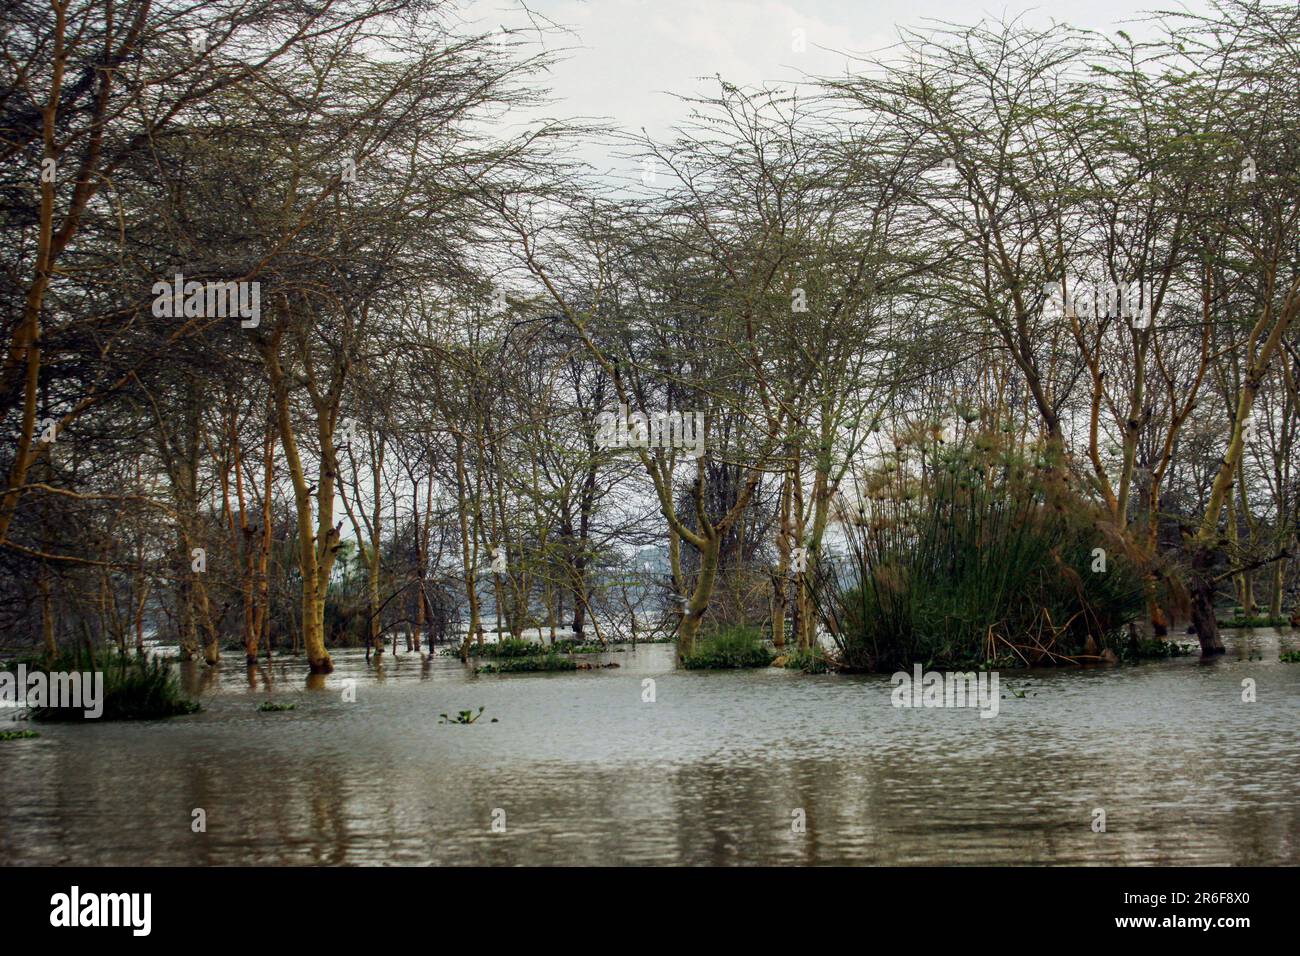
187	626
142	598
315	560
468	551
1249	605
698	604
372	592
1279	581
211	636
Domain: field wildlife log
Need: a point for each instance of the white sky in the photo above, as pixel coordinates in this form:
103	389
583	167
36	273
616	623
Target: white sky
628	57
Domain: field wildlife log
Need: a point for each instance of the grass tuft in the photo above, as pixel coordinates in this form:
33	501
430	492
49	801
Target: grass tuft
135	688
731	648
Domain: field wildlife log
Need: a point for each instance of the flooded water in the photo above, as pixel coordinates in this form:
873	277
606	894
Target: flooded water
581	770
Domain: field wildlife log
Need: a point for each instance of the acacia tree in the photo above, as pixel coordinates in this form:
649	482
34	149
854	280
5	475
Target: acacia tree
87	86
682	304
1249	51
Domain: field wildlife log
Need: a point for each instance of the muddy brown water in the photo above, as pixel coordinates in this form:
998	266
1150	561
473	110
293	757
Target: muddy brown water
581	770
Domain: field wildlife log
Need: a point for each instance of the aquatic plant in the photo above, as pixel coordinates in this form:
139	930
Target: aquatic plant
136	687
464	717
729	648
506	647
1154	648
1241	621
570	646
550	661
18	734
811	661
980	567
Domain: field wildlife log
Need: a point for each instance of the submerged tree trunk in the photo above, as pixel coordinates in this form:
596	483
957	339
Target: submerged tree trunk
1202	591
780	582
1279	582
699	600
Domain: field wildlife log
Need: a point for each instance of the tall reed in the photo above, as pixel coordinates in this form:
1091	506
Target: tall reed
972	569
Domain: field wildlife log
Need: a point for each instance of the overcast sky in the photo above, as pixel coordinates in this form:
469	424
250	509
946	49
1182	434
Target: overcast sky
629	56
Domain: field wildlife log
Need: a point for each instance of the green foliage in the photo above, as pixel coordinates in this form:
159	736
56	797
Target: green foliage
464	717
550	661
506	647
1289	657
136	687
570	646
1259	620
272	707
730	648
1154	648
974	569
18	734
511	647
809	661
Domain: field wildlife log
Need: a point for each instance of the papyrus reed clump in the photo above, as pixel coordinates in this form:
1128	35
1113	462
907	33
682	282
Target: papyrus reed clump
136	687
972	571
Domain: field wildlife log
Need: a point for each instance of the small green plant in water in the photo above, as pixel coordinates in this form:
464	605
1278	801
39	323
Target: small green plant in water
271	707
18	734
1290	657
1153	648
1018	694
506	647
464	717
536	663
1240	621
569	646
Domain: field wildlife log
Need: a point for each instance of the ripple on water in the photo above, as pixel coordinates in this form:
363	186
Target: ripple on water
710	773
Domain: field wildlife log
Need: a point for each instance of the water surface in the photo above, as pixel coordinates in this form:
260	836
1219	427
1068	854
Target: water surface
585	772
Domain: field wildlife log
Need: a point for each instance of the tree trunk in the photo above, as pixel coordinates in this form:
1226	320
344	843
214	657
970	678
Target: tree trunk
699	602
1279	582
1202	591
47	616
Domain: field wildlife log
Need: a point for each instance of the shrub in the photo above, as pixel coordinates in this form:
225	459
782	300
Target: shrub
518	647
536	663
973	570
730	648
809	661
136	687
570	646
1241	621
506	647
1154	648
